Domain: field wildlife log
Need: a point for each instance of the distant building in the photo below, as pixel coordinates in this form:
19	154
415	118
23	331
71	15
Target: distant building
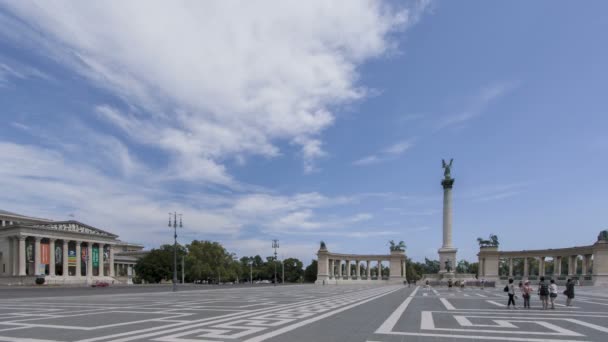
64	252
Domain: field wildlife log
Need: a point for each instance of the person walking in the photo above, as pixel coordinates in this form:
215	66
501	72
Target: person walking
526	293
569	292
552	293
511	292
543	292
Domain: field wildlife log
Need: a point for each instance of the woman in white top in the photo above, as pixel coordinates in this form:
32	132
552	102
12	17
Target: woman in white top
552	293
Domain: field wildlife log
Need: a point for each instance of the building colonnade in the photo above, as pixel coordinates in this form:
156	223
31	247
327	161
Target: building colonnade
33	255
342	269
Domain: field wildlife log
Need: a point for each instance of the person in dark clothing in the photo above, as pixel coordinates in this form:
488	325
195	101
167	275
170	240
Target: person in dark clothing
511	291
569	292
543	293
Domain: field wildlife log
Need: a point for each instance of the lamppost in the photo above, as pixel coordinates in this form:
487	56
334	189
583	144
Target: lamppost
251	270
175	245
275	245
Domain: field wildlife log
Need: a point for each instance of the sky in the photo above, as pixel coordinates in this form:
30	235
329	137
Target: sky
308	121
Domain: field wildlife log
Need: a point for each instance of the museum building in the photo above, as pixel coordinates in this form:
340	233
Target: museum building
63	252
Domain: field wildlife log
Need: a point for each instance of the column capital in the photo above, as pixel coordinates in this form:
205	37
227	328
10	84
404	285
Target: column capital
52	239
38	238
21	237
447	183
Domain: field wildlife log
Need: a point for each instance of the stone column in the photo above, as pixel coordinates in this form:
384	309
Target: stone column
379	270
571	266
526	268
359	275
510	267
100	260
79	258
447	252
89	259
15	256
111	261
36	254
403	268
331	268
600	262
369	274
557	266
21	255
52	257
65	258
541	266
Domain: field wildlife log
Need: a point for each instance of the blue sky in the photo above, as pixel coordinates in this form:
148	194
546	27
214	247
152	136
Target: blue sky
309	121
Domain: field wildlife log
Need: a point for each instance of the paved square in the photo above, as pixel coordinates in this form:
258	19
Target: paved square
300	313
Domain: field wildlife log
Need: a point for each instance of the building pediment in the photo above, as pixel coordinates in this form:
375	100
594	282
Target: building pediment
72	227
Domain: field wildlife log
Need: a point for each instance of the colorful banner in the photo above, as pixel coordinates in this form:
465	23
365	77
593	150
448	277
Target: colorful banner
95	256
45	256
83	255
71	257
58	255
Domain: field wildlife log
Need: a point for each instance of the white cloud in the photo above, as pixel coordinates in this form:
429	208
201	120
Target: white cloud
221	80
479	103
389	153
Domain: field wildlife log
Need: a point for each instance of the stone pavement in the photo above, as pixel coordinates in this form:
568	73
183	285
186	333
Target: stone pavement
300	313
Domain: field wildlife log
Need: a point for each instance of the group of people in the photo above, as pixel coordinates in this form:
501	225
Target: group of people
546	291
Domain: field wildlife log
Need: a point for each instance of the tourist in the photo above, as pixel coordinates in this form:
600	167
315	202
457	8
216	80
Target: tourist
450	284
552	293
511	292
569	292
427	285
543	292
483	283
526	294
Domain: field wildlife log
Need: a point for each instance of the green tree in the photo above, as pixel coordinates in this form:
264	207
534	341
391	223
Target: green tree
157	265
293	270
210	261
310	273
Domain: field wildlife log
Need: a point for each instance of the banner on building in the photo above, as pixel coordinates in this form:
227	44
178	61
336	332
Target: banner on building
83	255
71	257
29	252
45	256
95	256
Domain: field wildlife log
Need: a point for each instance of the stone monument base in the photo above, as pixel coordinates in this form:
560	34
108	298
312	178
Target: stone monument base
446	254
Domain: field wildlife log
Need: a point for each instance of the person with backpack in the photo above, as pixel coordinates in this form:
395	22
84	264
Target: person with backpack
543	292
552	293
569	292
510	289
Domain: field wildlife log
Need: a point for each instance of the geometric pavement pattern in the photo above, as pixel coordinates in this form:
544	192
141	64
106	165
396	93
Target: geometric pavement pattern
278	313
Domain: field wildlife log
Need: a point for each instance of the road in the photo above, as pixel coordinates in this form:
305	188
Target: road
295	313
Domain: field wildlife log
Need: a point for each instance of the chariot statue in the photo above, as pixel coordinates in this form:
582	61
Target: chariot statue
492	242
603	236
400	247
323	246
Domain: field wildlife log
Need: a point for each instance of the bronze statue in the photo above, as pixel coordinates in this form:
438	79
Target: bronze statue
492	242
400	247
447	168
448	266
603	236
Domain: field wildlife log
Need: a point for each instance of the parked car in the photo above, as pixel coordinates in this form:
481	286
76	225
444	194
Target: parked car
101	284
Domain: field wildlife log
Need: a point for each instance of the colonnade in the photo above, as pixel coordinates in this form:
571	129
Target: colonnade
19	251
341	269
573	266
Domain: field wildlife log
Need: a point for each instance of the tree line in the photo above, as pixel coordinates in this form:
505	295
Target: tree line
210	262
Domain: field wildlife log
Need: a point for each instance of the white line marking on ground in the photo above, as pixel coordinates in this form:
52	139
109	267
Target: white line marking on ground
390	322
496	303
480	295
447	304
499	338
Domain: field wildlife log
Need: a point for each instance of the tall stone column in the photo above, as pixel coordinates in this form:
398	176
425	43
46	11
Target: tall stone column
510	267
52	257
21	255
526	268
368	269
65	264
379	270
36	254
358	268
100	260
447	252
79	258
15	256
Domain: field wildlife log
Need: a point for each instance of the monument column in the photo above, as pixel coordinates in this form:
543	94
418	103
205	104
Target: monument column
510	267
541	267
447	252
526	268
369	276
347	268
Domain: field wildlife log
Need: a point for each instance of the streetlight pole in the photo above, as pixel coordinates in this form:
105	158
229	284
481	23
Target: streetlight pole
175	245
275	245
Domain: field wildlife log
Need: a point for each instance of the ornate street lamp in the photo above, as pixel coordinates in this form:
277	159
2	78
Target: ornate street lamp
175	215
275	245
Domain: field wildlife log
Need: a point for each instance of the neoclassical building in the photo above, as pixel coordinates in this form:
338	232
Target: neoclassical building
63	252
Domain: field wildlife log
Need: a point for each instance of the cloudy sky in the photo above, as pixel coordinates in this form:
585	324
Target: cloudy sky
308	120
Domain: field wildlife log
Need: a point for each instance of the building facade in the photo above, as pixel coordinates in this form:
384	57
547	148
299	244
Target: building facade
63	252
